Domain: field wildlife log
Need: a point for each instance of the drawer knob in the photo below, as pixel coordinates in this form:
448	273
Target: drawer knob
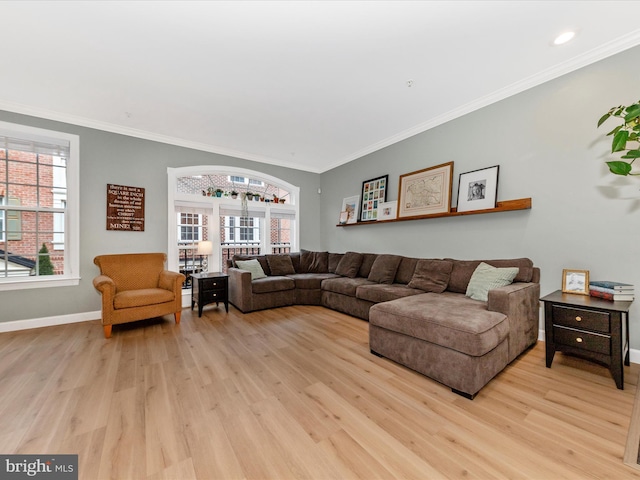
579	339
578	319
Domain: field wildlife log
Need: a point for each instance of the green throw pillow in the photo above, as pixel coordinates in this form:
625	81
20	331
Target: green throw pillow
485	278
252	266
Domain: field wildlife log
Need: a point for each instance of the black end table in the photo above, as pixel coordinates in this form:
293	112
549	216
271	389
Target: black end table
209	287
588	327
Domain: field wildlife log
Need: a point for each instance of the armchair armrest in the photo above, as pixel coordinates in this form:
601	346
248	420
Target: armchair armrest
171	281
105	285
240	289
520	302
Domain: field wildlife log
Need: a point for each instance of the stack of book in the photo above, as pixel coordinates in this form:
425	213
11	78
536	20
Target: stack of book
614	291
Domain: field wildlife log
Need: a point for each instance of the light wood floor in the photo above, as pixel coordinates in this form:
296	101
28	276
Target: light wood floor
294	393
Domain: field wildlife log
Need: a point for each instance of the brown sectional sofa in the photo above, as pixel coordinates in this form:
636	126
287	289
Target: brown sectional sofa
418	310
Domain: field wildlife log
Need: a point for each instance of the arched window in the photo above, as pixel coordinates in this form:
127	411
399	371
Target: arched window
239	211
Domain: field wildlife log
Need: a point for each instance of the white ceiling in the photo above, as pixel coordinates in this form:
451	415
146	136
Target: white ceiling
308	85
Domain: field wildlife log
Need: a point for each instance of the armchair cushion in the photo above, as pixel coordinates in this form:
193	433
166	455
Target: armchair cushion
144	296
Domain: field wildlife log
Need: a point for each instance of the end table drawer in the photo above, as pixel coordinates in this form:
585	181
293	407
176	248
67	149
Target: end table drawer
213	296
578	318
213	284
582	340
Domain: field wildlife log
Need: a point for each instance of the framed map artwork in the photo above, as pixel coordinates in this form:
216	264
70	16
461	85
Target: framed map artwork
374	191
425	192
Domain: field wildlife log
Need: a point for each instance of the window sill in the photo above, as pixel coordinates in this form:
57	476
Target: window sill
30	282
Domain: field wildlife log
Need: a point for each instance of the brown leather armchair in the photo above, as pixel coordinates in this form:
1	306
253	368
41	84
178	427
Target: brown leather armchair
135	286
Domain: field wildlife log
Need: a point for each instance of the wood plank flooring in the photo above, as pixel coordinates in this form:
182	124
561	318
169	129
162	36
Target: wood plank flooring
293	393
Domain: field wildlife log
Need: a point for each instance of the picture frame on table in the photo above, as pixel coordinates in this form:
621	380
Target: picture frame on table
350	206
387	210
425	192
478	189
575	281
374	191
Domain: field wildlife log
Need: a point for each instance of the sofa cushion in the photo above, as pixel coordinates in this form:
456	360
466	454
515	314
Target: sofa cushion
295	260
261	258
252	266
280	264
334	260
314	262
463	269
344	285
272	284
447	319
431	275
381	292
308	281
367	263
486	278
384	268
405	270
349	264
142	297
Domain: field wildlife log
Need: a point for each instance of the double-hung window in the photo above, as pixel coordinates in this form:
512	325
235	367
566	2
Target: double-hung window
39	236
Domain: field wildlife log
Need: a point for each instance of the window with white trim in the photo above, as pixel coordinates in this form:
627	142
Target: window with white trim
238	225
39	207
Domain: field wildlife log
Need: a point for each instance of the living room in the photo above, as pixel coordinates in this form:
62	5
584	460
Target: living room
544	138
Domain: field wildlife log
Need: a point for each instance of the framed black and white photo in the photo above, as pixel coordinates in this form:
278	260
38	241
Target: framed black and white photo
374	191
575	281
478	190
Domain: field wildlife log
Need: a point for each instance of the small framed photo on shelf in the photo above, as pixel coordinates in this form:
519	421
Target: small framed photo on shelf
374	191
575	281
350	206
477	190
387	210
344	216
425	192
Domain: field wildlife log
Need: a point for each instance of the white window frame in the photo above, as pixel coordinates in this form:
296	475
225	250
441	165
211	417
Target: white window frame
212	205
198	227
71	275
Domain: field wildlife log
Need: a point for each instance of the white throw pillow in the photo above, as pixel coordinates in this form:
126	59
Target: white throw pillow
486	278
252	266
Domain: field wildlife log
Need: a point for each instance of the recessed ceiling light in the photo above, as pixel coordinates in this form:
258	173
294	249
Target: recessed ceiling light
564	38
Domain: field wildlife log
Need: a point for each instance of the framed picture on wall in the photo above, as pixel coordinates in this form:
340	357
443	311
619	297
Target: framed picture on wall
425	192
374	191
477	190
350	206
387	210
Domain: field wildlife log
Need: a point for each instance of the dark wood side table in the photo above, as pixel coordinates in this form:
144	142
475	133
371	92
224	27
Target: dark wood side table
588	327
209	287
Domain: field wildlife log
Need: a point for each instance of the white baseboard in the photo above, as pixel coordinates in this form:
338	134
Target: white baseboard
634	355
48	321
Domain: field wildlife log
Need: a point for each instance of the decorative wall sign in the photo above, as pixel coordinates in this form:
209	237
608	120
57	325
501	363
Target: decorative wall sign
425	192
125	208
374	191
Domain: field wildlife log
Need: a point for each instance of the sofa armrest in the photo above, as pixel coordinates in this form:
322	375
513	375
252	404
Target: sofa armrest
520	303
240	289
171	281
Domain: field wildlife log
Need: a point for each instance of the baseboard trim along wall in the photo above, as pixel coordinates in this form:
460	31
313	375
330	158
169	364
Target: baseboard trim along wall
48	321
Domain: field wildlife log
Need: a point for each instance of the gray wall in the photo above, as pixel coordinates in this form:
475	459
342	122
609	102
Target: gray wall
112	158
548	148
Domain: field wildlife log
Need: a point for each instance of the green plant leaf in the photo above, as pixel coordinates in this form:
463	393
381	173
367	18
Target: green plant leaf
633	111
619	168
604	118
619	111
614	131
632	154
619	141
